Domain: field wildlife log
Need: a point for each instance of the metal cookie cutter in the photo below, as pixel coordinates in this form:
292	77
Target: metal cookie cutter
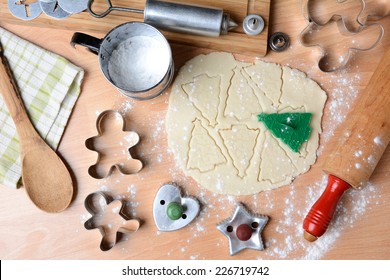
243	230
171	211
335	56
355	13
113	146
52	9
73	6
23	10
110	217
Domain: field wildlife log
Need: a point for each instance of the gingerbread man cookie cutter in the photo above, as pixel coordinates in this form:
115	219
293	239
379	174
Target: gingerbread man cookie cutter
110	217
113	144
336	56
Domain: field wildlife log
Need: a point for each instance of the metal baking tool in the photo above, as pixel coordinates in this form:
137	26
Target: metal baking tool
322	15
355	13
24	11
279	41
321	12
335	54
45	177
110	217
171	211
52	9
113	146
177	17
253	24
243	230
73	6
374	10
135	57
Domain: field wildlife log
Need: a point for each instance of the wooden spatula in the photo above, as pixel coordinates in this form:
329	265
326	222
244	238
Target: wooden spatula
45	177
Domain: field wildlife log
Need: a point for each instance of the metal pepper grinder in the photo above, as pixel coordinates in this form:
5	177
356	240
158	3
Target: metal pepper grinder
177	17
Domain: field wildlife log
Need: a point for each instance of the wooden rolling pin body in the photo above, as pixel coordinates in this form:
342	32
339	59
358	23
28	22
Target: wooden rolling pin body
366	134
366	131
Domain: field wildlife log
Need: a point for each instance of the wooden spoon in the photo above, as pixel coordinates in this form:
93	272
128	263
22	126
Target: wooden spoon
45	177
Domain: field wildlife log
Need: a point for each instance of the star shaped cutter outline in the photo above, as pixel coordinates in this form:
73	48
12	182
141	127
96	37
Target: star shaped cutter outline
241	216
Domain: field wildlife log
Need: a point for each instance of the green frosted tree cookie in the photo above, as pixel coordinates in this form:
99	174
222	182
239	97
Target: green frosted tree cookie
293	129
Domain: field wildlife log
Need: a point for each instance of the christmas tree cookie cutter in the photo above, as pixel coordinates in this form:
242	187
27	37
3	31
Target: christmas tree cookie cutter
293	129
113	144
352	32
110	217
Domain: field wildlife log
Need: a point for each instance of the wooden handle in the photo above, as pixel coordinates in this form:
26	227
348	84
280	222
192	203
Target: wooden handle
321	214
14	102
366	136
366	131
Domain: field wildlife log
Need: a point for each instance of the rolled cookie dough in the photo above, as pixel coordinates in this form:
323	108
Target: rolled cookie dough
213	129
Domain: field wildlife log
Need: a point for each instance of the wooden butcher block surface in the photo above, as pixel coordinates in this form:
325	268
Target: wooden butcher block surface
359	230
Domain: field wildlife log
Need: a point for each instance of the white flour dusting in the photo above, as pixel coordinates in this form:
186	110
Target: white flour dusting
284	239
138	63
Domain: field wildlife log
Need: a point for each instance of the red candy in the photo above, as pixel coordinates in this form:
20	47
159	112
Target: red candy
244	232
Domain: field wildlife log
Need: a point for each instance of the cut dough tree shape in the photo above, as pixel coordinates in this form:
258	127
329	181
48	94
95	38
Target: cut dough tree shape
213	129
204	155
268	78
204	94
275	165
292	128
240	141
241	102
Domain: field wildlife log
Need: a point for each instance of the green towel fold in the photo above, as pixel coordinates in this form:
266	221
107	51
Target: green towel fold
49	85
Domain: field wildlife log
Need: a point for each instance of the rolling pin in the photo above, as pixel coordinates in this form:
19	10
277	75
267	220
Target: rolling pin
358	150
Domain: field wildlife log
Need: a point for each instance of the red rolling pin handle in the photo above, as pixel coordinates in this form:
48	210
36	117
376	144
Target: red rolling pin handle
321	213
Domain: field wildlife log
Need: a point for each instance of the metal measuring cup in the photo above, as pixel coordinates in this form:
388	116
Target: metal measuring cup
134	57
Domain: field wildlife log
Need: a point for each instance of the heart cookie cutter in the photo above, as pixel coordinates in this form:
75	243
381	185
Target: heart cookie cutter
336	56
172	211
113	144
103	208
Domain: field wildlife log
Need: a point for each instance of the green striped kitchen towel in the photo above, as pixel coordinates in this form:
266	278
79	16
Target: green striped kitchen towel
49	85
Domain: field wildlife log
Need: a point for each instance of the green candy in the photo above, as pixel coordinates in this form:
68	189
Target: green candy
293	129
174	211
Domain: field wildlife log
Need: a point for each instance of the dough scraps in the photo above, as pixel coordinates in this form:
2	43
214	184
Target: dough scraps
213	128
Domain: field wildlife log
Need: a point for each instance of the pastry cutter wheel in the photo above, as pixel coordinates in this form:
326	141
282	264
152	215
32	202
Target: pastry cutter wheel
325	63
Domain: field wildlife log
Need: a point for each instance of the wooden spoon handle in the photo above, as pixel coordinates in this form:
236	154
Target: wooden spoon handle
14	102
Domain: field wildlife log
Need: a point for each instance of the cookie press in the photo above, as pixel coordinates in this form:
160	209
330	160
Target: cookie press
184	18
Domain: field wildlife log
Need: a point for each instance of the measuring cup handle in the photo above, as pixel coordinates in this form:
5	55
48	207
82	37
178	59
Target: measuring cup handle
92	43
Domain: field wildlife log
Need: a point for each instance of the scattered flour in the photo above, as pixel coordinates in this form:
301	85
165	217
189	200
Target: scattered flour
284	239
138	63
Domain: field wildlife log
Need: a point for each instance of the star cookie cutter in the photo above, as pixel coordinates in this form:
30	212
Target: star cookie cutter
353	34
171	210
110	217
243	229
113	144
